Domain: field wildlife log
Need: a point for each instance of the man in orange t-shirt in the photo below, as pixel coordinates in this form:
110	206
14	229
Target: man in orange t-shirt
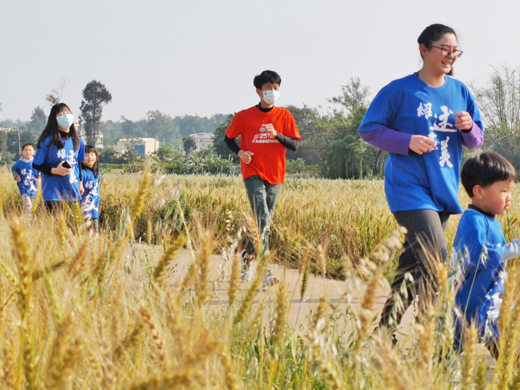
266	132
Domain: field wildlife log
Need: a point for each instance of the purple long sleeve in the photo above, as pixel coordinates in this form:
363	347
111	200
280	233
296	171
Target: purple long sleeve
388	140
474	138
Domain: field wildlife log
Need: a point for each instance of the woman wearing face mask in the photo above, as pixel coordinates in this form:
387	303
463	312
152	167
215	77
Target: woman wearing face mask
59	151
423	120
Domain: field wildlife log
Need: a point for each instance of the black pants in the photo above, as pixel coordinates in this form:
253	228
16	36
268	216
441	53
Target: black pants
424	239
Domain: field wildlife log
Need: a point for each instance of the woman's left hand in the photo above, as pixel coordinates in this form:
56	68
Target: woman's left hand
464	120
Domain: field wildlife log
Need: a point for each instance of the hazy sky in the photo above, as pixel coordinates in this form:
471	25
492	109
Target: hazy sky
199	57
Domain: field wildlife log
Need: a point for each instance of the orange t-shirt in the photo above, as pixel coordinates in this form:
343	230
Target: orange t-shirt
268	160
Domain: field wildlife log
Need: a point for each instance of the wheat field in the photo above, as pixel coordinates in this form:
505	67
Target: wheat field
76	312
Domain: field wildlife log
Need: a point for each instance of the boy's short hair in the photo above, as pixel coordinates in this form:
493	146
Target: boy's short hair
484	169
28	144
267	76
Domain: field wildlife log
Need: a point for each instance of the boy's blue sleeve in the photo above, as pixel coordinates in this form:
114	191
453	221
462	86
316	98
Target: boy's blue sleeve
14	171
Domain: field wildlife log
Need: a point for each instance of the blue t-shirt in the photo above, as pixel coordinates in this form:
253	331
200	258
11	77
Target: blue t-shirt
56	187
90	198
479	273
28	176
408	105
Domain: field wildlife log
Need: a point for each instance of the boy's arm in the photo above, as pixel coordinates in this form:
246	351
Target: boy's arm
14	171
231	144
16	176
512	250
289	142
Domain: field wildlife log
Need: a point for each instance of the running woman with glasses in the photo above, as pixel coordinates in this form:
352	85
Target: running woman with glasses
422	121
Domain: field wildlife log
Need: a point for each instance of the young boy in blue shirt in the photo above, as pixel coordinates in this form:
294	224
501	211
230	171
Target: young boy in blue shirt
26	177
480	251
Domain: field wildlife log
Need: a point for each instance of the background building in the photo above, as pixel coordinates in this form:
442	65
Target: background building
203	140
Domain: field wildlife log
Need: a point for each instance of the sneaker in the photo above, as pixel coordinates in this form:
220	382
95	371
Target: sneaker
246	272
269	280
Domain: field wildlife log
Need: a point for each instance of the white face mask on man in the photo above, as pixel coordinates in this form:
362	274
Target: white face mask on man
270	96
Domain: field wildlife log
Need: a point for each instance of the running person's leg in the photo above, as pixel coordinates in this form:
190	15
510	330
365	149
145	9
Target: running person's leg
425	230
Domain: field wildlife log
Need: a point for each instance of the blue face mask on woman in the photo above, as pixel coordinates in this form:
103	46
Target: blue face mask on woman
65	120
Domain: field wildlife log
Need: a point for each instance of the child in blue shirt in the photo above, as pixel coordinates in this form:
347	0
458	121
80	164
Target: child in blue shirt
26	177
90	178
59	151
480	251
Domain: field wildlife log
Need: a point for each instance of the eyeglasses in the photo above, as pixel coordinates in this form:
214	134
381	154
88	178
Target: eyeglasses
448	52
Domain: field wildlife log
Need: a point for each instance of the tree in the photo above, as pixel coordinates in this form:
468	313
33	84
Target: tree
110	156
38	120
219	145
160	126
3	146
165	153
499	103
354	94
54	96
95	95
189	145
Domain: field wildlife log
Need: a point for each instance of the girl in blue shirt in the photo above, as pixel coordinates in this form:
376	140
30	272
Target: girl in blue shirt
90	179
59	151
423	120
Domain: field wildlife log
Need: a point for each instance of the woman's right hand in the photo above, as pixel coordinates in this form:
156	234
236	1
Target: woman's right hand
60	170
421	144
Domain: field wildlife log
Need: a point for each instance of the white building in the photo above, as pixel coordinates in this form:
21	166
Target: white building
202	140
143	146
99	140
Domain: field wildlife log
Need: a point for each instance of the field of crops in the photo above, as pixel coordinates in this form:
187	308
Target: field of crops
77	312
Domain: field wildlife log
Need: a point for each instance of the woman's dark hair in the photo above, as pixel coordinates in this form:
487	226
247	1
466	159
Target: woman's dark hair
51	129
433	33
267	76
484	169
95	167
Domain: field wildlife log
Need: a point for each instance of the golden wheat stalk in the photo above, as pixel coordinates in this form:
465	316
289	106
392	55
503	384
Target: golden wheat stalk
468	362
247	302
234	280
281	317
167	257
136	210
157	336
20	251
202	262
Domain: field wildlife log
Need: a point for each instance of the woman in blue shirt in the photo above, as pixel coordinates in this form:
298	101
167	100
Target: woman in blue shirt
58	152
423	120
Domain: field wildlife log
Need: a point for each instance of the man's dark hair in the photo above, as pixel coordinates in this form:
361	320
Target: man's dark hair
267	76
28	144
484	169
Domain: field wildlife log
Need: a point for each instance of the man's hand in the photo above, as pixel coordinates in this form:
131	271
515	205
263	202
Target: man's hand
18	179
269	129
246	157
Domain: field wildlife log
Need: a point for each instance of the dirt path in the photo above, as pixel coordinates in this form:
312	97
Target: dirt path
335	291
